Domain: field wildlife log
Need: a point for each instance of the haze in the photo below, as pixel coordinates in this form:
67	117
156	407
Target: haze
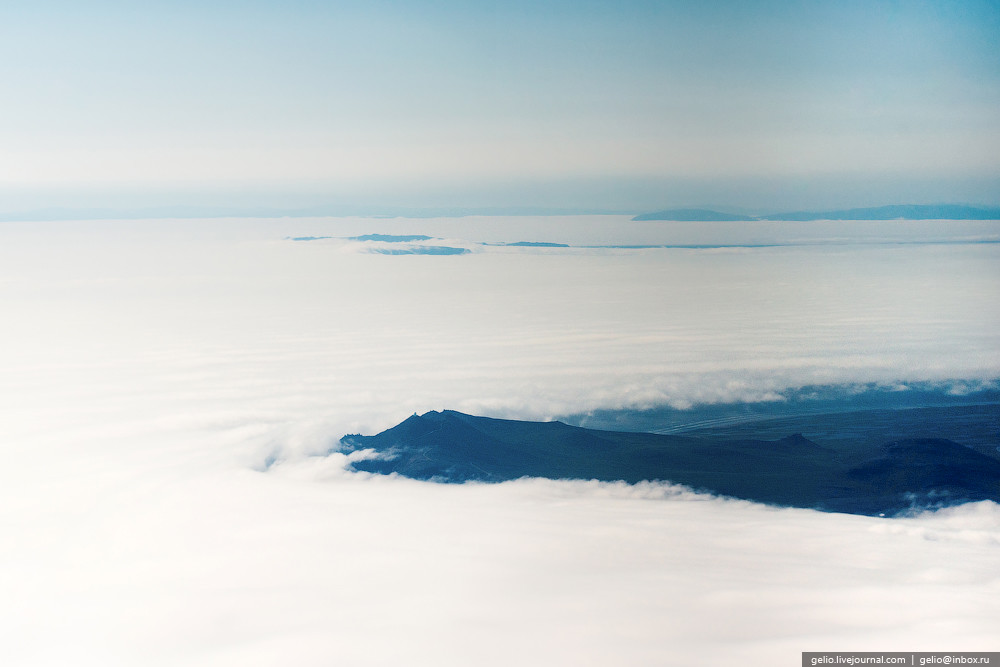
582	105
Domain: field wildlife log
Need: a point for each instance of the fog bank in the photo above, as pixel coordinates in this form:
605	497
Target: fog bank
170	389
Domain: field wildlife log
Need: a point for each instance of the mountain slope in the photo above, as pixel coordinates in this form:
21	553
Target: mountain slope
793	471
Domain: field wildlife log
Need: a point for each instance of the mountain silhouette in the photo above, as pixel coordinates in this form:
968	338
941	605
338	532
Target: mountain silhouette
792	471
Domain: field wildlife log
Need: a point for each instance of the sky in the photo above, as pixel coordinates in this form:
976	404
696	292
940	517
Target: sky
587	105
173	392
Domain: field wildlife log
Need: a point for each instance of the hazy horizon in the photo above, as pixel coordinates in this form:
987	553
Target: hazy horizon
54	205
631	106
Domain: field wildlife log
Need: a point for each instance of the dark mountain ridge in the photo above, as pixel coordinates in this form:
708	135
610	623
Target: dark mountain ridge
894	212
792	471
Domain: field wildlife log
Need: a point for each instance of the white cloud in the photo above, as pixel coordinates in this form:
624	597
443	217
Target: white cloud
152	369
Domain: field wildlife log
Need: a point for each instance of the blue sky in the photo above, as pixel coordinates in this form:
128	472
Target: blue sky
589	104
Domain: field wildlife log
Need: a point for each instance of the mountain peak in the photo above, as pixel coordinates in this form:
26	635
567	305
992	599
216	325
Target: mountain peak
861	478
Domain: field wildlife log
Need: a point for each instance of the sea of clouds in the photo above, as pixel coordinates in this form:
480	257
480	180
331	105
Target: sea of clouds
172	390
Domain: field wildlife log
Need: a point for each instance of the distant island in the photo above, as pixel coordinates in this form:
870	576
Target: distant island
537	244
896	212
841	470
692	215
390	238
906	212
421	250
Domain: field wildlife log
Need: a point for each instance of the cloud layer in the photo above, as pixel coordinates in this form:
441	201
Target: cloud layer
154	369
